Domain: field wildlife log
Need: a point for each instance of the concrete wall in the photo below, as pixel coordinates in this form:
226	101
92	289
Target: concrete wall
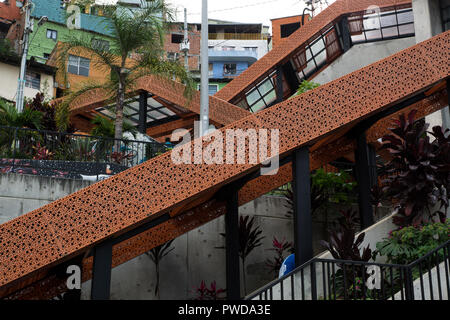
197	256
361	55
9	79
428	23
20	193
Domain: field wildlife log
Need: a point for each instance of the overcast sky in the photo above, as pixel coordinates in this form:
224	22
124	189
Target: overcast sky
254	11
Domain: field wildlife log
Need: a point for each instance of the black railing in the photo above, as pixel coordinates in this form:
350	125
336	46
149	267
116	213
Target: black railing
43	152
327	279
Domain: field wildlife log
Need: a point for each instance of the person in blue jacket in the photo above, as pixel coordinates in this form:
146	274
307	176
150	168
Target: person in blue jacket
287	266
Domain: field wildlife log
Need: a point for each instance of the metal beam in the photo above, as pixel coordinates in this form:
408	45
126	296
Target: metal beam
101	272
302	206
232	245
279	85
362	169
142	124
345	33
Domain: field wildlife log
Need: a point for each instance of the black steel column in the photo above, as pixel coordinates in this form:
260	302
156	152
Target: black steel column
101	272
302	206
232	246
279	85
142	125
345	33
362	169
372	165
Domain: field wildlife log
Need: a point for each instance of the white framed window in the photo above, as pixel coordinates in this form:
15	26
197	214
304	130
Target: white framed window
229	68
78	65
52	34
33	80
212	88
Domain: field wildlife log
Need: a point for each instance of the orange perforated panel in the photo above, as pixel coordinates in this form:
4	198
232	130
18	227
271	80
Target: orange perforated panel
67	227
221	112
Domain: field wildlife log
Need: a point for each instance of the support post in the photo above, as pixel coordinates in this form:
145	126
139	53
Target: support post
363	178
142	126
279	84
302	206
232	246
345	32
101	272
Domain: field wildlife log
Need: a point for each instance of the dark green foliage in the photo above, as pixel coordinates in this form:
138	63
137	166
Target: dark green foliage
408	244
48	111
6	49
306	86
343	244
104	127
249	236
327	189
419	169
28	118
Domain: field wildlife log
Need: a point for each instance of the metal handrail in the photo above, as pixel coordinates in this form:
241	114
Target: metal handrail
404	270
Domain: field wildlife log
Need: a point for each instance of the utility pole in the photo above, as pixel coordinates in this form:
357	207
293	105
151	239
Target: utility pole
26	33
204	96
186	41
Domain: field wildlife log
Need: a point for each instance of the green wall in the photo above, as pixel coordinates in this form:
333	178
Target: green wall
40	44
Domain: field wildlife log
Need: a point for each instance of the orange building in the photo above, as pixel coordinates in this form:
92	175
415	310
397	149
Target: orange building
284	27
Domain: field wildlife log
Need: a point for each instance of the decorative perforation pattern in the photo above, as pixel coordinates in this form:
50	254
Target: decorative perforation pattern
68	226
133	247
221	112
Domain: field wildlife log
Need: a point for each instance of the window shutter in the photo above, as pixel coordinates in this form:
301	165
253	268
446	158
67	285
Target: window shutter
355	24
299	59
332	45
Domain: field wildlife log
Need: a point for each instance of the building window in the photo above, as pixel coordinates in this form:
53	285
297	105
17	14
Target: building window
445	12
212	89
252	49
46	55
228	48
52	34
262	95
33	80
388	23
229	68
288	29
172	56
78	65
177	38
100	44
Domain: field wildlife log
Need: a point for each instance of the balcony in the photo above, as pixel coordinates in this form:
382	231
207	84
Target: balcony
232	55
237	36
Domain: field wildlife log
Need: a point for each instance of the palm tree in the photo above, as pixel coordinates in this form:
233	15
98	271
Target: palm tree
138	33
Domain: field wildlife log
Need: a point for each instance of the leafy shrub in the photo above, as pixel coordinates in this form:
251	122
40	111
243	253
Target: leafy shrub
408	244
420	171
280	247
306	86
249	239
213	293
327	188
343	244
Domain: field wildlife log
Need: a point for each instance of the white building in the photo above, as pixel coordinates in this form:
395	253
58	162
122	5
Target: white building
39	78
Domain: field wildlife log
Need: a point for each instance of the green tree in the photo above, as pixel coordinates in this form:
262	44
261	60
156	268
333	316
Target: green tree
306	86
138	33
